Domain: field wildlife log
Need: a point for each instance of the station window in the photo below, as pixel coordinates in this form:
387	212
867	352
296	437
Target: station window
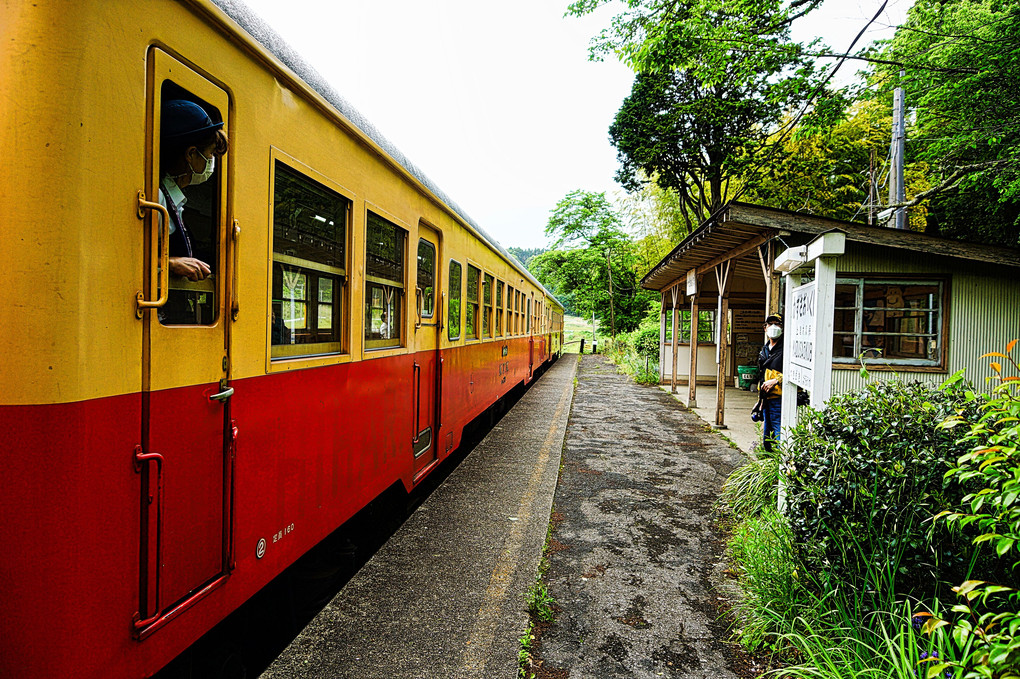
453	312
487	285
897	322
471	309
499	307
384	282
309	265
425	292
706	326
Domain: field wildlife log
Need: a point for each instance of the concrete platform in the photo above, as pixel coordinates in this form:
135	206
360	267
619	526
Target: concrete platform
444	597
636	558
737	413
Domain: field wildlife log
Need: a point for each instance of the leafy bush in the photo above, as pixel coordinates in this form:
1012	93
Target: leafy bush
752	487
986	636
646	343
864	478
762	546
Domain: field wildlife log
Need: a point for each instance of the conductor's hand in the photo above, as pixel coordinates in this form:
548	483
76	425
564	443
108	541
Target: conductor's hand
768	384
189	267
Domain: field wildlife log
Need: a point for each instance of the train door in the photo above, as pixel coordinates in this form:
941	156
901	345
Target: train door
186	459
531	341
427	361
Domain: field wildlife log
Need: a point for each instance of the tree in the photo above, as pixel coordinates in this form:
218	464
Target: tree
524	255
961	60
714	78
826	169
692	138
655	218
592	264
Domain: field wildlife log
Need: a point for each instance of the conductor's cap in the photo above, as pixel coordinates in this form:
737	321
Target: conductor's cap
183	119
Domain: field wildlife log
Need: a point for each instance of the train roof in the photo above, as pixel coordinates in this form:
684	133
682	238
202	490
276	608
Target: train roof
258	29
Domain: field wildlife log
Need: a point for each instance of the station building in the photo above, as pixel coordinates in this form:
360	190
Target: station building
910	305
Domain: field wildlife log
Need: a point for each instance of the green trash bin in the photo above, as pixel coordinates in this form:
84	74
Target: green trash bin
747	374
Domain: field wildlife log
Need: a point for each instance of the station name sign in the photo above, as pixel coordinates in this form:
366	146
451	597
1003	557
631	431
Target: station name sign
800	335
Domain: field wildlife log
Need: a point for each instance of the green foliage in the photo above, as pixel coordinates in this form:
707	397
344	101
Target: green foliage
865	476
524	255
768	570
752	488
960	59
825	170
691	137
986	636
713	79
540	602
594	269
646	342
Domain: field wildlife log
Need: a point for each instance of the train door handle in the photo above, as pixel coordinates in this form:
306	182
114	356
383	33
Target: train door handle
162	235
419	306
223	395
141	459
417	402
235	306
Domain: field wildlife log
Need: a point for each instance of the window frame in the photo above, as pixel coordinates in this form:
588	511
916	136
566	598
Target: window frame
499	304
435	270
370	281
450	325
472	333
684	326
290	356
488	283
875	361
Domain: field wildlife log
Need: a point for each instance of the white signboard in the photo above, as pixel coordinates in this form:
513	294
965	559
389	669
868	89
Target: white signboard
800	335
692	282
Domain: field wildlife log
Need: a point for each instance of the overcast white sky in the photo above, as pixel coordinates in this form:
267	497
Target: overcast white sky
495	101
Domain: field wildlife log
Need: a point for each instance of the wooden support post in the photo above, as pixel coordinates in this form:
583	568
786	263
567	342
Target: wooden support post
676	334
722	276
662	340
692	380
724	348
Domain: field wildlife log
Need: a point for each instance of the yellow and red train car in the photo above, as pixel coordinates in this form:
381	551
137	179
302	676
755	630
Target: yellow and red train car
159	474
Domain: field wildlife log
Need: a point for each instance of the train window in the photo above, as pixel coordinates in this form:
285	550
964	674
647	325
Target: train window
517	313
426	279
453	312
528	316
309	265
487	302
499	307
471	309
195	228
384	282
509	310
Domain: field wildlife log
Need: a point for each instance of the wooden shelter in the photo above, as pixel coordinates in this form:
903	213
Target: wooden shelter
912	305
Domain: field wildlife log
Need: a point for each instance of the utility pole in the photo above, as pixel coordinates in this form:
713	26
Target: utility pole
871	187
612	303
897	192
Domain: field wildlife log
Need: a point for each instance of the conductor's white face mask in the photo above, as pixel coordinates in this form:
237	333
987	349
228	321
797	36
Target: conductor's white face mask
774	332
199	177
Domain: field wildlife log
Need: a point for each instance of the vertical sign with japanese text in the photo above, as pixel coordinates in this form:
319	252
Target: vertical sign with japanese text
800	335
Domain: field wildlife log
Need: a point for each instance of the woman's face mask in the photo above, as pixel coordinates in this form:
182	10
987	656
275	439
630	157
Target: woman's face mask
773	332
210	165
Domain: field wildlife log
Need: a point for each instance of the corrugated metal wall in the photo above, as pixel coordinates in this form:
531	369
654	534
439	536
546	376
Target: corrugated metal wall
984	310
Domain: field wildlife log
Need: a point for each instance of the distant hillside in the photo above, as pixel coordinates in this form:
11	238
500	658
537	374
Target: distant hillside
525	254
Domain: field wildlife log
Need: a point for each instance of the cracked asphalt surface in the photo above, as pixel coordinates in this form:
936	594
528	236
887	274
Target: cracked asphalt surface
635	560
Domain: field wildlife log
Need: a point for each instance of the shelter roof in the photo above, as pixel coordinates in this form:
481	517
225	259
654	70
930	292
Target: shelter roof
739	228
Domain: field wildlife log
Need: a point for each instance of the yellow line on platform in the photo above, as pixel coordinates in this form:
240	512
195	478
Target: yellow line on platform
480	641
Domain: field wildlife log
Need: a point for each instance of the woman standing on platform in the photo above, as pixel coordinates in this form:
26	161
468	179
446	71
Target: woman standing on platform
770	372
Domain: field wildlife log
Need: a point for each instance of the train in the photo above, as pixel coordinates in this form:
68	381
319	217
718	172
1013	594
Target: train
161	469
